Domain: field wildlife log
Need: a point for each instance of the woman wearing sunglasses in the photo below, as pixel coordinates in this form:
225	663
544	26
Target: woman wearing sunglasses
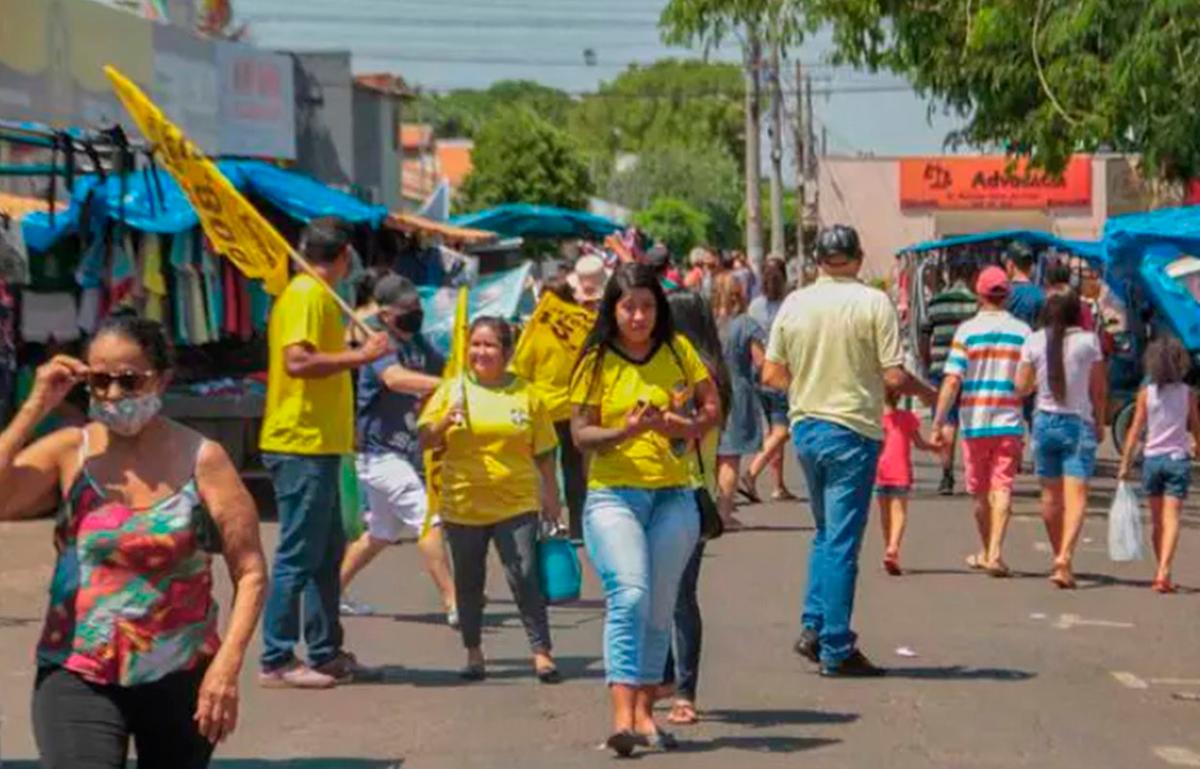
130	646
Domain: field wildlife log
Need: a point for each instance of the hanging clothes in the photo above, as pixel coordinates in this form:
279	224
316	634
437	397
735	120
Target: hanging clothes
180	295
260	305
153	282
46	317
122	275
8	352
210	268
14	258
229	277
245	326
197	310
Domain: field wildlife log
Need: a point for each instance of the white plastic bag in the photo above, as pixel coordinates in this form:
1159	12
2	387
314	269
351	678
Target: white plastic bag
1125	526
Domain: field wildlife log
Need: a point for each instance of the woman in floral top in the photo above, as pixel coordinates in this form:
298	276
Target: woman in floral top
130	646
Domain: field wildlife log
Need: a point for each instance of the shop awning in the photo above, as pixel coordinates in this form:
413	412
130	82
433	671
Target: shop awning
525	220
420	224
153	202
1090	250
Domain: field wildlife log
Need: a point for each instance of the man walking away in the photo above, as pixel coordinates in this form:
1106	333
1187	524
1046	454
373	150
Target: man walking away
1025	298
982	367
947	310
835	347
308	425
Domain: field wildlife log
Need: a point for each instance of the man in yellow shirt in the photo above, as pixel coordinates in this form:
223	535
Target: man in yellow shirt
835	347
308	426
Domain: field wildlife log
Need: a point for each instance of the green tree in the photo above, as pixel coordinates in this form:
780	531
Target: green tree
521	158
704	176
463	112
1043	78
676	223
669	102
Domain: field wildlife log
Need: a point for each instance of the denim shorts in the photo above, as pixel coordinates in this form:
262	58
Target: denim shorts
893	492
775	406
952	415
1063	445
1166	476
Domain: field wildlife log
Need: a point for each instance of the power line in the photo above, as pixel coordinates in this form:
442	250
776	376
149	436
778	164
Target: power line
701	94
623	23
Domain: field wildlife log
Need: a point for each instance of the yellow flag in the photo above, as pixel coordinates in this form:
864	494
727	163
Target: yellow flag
456	369
554	322
235	227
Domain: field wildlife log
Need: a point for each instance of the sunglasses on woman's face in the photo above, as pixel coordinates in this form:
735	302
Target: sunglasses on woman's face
99	382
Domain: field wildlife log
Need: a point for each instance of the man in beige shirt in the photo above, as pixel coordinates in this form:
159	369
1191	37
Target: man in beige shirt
835	347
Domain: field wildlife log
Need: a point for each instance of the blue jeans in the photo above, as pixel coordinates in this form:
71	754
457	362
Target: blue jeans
1063	444
839	466
307	561
1167	476
683	662
639	541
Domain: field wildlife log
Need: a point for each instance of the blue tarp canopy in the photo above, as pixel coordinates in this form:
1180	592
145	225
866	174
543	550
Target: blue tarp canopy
1140	247
155	203
525	220
501	294
1087	249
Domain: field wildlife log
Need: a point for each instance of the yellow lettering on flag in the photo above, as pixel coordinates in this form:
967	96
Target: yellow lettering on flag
234	226
548	349
456	369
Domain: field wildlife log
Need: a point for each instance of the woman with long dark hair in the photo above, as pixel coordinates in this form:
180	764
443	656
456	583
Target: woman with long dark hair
1064	364
130	649
641	399
763	310
694	320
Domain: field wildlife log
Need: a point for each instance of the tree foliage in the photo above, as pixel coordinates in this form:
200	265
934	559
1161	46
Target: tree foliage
463	112
705	177
708	23
669	102
521	158
1044	78
677	224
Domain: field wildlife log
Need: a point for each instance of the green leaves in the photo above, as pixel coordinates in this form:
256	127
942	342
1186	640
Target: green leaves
1043	77
674	222
521	158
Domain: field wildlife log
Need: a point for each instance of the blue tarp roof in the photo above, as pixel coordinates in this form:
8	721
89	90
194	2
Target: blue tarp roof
525	220
1085	248
155	203
1128	236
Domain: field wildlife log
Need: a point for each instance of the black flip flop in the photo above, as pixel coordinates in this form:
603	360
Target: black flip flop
550	676
473	673
622	743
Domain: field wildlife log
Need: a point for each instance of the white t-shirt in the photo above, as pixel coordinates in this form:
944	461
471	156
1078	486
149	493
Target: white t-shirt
1080	350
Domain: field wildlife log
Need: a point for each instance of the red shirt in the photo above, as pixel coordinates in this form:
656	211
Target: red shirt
895	459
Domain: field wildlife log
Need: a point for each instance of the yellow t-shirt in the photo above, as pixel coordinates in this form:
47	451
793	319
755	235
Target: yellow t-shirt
649	460
836	337
488	469
307	416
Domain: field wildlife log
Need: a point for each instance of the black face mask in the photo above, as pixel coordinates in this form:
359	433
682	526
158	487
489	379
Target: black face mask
409	322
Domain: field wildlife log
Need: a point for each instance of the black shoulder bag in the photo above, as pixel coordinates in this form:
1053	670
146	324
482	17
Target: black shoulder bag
711	525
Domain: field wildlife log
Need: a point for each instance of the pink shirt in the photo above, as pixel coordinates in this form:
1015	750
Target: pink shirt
895	459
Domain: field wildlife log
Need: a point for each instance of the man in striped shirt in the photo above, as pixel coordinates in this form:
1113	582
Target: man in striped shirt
982	366
947	310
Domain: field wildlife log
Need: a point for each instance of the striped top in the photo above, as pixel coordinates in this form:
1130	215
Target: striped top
947	310
985	354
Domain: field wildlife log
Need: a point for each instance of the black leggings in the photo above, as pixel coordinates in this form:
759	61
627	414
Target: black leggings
80	725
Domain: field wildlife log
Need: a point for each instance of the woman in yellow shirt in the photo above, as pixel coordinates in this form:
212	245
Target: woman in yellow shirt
641	400
498	470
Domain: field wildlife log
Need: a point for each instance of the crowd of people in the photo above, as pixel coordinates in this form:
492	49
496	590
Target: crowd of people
686	388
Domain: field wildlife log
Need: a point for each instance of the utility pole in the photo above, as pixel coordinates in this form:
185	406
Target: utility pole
799	137
753	56
812	211
778	244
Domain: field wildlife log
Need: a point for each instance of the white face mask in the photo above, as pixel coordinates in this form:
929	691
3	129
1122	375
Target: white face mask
128	416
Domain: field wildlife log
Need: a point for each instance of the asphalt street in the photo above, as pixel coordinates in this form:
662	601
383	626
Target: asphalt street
985	673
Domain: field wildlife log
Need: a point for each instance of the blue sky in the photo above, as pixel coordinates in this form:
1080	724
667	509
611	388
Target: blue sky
445	44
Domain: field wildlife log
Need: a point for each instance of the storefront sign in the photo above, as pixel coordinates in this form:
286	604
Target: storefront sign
988	182
258	115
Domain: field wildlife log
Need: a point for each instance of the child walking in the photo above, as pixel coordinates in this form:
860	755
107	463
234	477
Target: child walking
1167	411
894	478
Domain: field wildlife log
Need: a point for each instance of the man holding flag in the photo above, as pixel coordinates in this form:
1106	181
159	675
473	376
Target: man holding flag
308	426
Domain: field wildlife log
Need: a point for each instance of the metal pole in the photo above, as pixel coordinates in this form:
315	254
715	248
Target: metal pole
778	245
